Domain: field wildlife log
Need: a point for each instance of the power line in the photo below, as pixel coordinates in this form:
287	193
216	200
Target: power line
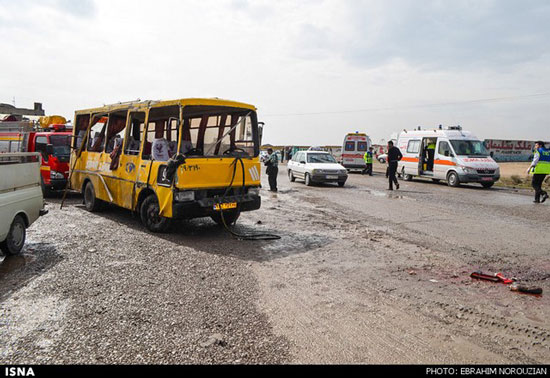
486	100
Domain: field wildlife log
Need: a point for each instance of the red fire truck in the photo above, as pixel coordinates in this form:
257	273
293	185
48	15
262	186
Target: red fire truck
52	142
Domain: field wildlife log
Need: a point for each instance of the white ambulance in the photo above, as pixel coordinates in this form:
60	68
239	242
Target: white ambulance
450	154
353	150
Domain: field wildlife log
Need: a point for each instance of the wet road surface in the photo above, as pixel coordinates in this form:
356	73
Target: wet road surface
360	275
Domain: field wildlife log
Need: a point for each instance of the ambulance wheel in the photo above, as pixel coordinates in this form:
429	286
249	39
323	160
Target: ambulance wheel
406	177
452	179
91	202
291	176
230	217
16	237
487	185
307	179
150	215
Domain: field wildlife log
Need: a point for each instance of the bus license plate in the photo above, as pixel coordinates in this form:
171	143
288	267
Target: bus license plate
225	206
329	177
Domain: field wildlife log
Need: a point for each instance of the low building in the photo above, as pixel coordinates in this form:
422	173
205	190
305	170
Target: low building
20	113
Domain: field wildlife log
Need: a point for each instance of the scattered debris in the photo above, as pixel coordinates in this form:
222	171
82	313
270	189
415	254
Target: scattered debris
496	277
215	339
434	281
514	286
526	289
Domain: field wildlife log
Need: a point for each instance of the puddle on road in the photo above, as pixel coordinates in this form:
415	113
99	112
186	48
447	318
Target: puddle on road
9	264
387	194
294	244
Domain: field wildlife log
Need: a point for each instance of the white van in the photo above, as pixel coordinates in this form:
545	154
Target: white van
21	200
353	150
455	156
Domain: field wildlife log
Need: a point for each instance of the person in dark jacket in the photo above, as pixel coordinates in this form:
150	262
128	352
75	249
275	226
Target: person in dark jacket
394	155
272	169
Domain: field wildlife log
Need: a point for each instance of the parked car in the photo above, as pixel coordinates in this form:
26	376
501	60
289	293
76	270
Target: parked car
21	199
316	166
382	158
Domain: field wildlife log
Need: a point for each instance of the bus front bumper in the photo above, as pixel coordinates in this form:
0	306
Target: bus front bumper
205	207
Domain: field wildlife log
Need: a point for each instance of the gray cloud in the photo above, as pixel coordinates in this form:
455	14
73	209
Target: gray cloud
77	8
434	34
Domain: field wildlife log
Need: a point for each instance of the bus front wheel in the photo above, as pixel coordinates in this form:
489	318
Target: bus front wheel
150	215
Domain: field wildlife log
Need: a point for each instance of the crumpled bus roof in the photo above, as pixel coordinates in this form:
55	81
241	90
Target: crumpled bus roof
139	104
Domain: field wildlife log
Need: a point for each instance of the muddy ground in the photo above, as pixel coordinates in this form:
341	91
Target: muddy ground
360	275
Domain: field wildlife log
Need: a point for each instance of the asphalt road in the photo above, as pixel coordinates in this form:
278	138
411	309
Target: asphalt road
360	275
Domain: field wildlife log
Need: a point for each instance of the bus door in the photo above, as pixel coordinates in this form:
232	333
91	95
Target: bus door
110	161
129	163
93	156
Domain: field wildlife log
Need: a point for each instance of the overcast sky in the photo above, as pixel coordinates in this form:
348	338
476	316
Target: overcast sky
314	69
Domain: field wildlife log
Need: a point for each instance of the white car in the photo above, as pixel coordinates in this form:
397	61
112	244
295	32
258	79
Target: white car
382	158
316	166
21	200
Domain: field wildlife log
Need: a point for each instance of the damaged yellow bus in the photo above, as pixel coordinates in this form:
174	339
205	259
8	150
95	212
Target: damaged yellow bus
165	160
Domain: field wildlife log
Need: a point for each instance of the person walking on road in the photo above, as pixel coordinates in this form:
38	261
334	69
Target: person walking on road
394	155
368	161
540	168
272	169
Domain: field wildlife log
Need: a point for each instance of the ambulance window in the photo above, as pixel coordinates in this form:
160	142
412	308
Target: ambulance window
361	146
413	146
350	146
444	149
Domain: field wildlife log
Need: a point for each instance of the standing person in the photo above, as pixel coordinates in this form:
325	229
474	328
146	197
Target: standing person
430	153
282	155
368	160
394	155
272	169
540	167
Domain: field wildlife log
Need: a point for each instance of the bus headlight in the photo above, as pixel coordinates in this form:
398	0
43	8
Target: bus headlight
184	196
254	191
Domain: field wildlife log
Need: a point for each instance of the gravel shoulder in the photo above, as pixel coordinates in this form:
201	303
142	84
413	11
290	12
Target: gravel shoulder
97	288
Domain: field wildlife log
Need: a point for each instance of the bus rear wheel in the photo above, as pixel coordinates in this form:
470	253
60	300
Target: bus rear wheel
91	202
150	215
